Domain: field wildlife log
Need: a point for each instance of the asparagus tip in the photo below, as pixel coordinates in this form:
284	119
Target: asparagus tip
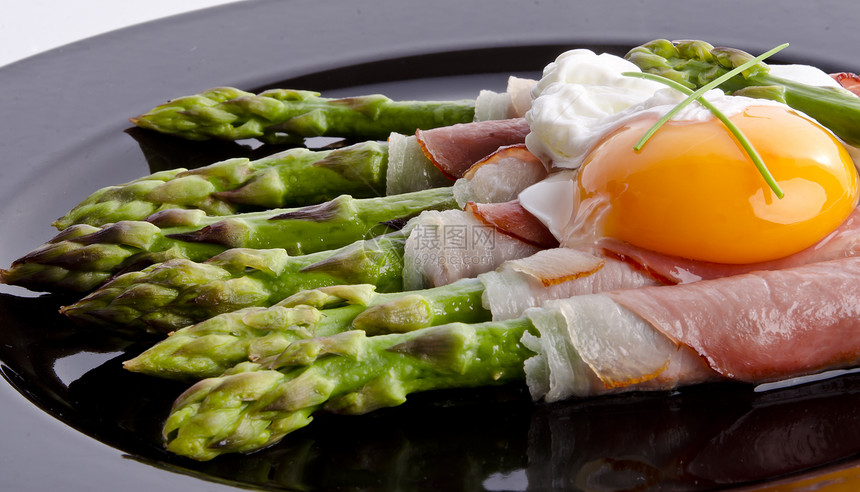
404	314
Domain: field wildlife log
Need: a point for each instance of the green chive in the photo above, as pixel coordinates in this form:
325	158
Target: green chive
745	143
705	88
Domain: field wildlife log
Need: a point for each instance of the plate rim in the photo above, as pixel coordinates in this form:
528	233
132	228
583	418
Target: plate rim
40	73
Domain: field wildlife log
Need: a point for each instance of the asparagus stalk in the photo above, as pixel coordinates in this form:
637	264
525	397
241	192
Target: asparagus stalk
291	178
255	405
209	348
177	293
232	114
82	257
696	63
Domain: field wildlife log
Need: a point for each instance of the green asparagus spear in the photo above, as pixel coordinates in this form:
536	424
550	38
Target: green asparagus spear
209	348
82	257
232	114
168	296
695	63
255	405
291	178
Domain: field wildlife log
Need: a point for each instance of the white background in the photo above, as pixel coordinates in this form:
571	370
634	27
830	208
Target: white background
29	27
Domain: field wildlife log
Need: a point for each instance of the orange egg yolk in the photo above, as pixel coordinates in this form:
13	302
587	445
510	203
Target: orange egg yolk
692	191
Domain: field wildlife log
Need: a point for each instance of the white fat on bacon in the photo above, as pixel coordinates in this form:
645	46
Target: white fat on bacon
556	273
590	345
500	177
513	103
446	246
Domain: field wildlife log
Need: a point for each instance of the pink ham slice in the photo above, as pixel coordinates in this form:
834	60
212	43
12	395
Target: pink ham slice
762	326
453	149
843	242
512	219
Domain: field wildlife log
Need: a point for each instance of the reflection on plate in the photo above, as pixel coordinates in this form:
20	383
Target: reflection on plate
697	439
701	438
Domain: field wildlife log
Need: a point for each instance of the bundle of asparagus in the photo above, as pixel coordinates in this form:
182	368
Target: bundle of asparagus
297	176
205	349
170	295
280	313
349	373
196	228
293	177
82	257
209	348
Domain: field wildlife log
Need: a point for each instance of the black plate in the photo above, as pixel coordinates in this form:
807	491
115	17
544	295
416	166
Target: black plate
64	133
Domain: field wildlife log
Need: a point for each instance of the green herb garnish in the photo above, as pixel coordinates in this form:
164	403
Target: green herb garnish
697	96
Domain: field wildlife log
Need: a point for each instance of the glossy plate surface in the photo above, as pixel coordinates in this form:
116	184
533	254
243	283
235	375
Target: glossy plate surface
73	420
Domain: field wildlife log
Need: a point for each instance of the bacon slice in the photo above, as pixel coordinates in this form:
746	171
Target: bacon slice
512	219
500	177
848	80
453	149
843	242
762	326
516	151
589	345
757	327
445	246
558	273
557	265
